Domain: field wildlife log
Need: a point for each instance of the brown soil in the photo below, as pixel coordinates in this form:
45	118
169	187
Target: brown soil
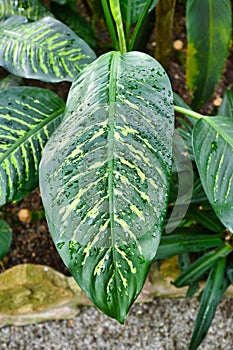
32	242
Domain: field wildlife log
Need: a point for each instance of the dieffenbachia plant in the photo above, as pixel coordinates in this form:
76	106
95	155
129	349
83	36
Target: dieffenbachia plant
104	158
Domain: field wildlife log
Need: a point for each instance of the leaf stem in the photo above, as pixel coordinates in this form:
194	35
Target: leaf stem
188	112
116	13
139	24
110	24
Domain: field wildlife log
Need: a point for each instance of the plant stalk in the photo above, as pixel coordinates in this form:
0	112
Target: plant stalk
139	25
188	112
116	13
110	23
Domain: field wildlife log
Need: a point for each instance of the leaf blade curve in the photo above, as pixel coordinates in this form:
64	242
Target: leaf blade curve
213	150
46	49
28	116
5	238
105	196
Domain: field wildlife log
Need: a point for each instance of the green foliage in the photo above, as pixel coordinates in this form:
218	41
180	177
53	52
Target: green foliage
32	9
46	49
5	238
209	26
113	170
106	170
28	117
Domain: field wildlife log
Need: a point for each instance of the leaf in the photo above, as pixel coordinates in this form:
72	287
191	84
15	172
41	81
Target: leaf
47	49
212	294
28	116
213	149
132	10
32	9
209	26
185	242
10	81
201	266
105	174
226	108
5	238
76	22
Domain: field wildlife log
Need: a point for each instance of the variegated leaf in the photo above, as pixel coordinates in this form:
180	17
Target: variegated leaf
46	49
104	176
28	117
213	149
32	9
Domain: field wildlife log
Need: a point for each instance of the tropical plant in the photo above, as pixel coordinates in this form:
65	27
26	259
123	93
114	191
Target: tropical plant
106	169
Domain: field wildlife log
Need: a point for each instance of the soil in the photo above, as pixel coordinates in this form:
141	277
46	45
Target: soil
32	242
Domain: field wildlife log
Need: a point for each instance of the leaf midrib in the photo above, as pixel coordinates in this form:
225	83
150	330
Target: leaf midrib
110	151
31	133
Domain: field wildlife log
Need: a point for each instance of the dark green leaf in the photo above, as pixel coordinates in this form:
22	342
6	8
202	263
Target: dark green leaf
132	10
76	22
32	9
105	175
209	25
207	219
226	108
47	49
201	266
5	238
28	116
213	149
212	294
179	243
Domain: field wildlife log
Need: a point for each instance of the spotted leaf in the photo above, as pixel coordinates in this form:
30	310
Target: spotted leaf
213	149
46	49
104	176
28	116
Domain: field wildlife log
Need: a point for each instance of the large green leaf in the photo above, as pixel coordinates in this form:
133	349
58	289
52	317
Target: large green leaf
132	10
212	294
104	176
5	238
213	149
209	33
28	116
31	9
46	49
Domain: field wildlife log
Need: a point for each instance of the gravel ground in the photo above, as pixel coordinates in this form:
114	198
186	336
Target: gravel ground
164	324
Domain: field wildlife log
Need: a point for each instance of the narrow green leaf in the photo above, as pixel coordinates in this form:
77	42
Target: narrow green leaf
32	9
209	26
213	149
212	294
105	174
5	238
179	243
201	266
226	108
46	49
207	219
28	117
